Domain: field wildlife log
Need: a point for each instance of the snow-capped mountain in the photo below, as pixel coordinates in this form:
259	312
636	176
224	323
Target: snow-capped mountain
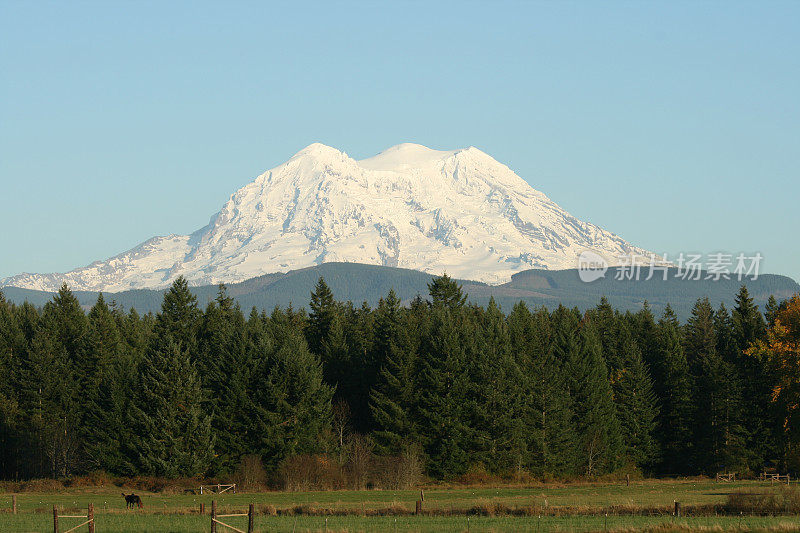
460	212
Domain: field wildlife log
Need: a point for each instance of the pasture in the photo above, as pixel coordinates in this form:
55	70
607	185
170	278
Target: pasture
644	505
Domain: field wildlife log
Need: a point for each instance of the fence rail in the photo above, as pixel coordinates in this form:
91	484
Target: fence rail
250	514
775	478
219	488
89	520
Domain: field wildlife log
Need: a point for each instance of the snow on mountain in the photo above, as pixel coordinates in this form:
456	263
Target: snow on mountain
459	212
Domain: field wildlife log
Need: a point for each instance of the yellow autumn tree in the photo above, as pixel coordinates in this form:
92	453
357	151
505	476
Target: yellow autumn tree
781	352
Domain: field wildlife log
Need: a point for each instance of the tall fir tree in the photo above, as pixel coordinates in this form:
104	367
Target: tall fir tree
496	381
748	327
677	407
445	291
225	364
395	396
444	405
636	404
179	318
716	433
771	310
291	403
323	309
172	433
12	350
598	445
105	392
545	410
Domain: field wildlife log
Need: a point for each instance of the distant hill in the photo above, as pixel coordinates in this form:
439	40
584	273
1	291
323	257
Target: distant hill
359	283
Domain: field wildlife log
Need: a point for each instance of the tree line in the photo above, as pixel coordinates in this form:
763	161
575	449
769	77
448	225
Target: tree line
191	392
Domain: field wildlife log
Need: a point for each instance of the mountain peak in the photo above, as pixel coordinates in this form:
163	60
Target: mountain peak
404	156
317	150
410	206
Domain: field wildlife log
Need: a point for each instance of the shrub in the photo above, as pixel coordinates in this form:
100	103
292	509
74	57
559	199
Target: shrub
310	472
98	478
250	474
477	475
784	500
359	460
41	485
399	472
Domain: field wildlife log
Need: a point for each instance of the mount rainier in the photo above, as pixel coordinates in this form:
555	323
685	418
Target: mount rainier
460	212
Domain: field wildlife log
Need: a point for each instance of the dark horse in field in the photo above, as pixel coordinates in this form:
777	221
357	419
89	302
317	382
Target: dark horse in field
132	500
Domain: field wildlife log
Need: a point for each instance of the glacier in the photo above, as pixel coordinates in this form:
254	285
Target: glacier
459	211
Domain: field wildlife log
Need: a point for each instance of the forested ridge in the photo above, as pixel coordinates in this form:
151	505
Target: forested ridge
535	287
544	393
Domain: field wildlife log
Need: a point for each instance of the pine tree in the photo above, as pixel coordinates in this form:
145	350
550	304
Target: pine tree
771	310
716	433
496	381
677	408
323	309
444	406
748	327
636	404
607	324
291	403
445	291
597	426
12	343
105	392
644	330
67	321
363	367
179	318
734	452
748	324
172	433
395	396
50	407
225	363
545	415
52	378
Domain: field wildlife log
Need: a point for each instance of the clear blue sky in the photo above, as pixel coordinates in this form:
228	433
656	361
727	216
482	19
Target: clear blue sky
673	124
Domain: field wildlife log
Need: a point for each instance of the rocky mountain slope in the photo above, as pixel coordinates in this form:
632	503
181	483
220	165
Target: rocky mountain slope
460	212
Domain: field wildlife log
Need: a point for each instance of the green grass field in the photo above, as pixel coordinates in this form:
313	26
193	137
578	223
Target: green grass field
187	523
583	505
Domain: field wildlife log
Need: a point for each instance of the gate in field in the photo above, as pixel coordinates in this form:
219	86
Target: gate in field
727	477
773	478
218	488
89	517
250	514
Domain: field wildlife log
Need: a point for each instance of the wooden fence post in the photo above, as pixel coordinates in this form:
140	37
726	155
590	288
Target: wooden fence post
90	517
251	511
677	509
202	508
55	519
213	516
627	480
418	508
14	503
